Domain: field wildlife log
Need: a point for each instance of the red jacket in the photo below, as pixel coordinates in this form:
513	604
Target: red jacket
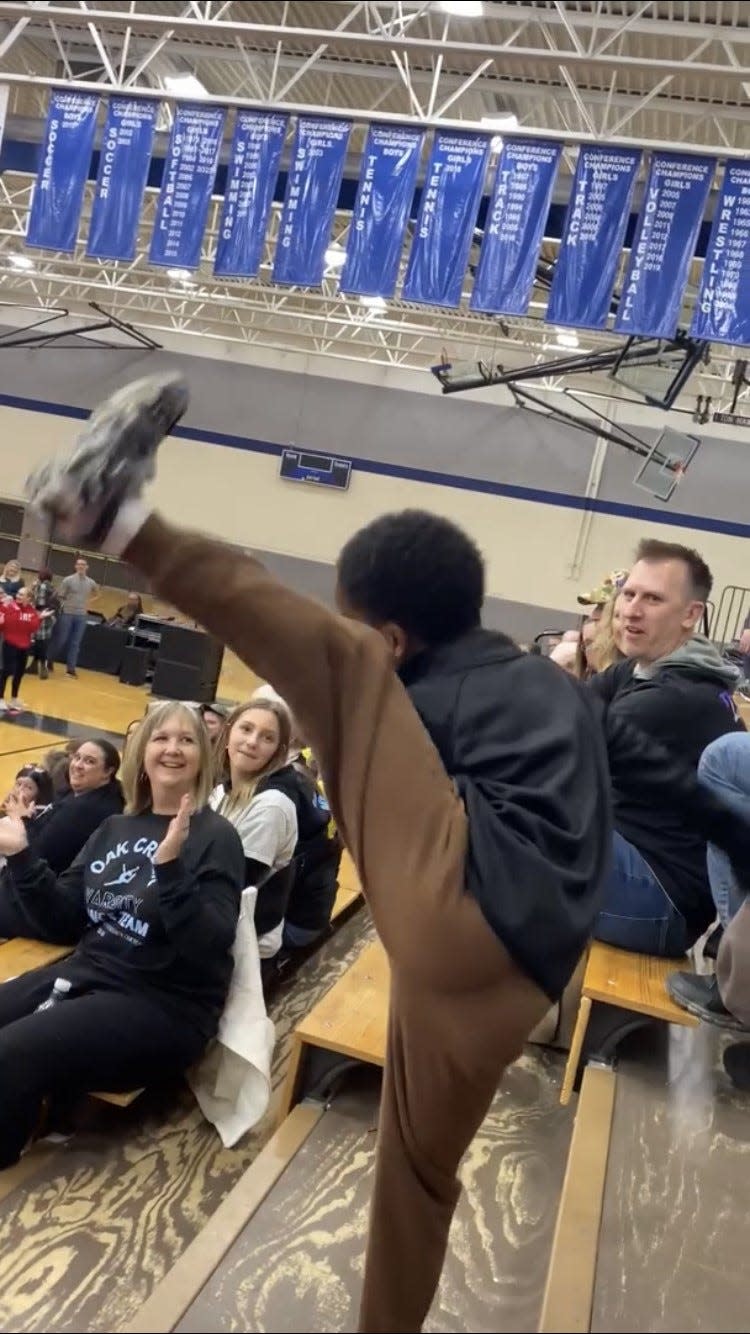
19	624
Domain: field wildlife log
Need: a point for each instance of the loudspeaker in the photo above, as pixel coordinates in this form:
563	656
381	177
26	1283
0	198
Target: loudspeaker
134	666
102	649
173	680
193	648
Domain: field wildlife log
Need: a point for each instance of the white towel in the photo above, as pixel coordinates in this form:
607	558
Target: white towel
233	1081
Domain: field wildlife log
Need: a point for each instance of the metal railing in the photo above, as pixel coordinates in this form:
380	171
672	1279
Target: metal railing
728	621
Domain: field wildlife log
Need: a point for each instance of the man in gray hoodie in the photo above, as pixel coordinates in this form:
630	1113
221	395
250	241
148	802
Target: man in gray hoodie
675	687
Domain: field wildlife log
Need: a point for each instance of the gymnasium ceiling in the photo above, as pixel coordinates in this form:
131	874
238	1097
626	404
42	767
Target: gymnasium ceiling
659	73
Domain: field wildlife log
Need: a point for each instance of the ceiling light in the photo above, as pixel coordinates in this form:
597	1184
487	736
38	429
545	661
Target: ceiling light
21	261
374	302
464	9
567	339
181	275
508	121
335	256
184	85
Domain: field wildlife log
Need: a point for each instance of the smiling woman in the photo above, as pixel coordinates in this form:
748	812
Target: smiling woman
254	745
168	758
152	902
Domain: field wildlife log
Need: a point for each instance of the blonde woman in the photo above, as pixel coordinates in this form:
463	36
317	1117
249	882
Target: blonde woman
11	580
252	750
152	902
604	649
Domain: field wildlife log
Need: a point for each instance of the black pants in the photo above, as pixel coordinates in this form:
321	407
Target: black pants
14	665
40	650
93	1040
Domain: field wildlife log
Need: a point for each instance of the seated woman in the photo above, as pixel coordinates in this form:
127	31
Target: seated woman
152	902
251	753
32	788
93	795
125	616
57	763
317	854
30	797
317	857
214	717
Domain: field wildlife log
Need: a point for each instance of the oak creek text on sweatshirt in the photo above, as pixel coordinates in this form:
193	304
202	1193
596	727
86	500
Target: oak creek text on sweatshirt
166	930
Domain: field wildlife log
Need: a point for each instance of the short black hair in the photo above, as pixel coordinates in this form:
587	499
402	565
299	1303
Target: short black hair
418	570
699	576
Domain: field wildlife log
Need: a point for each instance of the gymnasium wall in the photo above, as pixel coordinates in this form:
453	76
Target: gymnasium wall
515	481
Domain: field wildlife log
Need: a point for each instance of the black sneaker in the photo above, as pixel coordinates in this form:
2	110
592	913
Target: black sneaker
112	462
699	995
71	672
737	1065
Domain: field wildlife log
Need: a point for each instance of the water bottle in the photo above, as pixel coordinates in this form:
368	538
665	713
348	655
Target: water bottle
62	988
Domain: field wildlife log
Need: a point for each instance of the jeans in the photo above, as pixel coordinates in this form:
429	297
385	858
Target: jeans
299	937
69	633
725	768
637	914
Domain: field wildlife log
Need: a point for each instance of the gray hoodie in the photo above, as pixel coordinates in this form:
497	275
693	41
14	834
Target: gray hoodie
698	657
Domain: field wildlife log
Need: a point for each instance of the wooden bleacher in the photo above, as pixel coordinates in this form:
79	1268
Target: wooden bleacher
22	956
349	890
626	981
349	1021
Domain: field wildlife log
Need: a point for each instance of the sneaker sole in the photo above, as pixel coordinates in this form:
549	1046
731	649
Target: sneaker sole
114	456
718	1020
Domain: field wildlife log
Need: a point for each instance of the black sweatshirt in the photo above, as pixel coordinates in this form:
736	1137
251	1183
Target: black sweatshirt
166	930
58	835
682	706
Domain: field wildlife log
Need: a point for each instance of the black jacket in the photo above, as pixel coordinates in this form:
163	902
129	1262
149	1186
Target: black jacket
524	746
58	835
681	709
312	850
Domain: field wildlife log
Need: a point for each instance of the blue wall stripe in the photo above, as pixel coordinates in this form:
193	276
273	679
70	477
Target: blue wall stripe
561	499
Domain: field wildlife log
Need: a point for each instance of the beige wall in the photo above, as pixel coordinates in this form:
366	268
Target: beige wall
238	495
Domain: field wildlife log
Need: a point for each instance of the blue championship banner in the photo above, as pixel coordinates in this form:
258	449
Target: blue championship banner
312	192
447	214
514	229
124	161
722	311
187	185
381	209
592	239
671	214
63	171
251	181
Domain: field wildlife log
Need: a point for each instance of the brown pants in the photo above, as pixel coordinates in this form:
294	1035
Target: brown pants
460	1008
